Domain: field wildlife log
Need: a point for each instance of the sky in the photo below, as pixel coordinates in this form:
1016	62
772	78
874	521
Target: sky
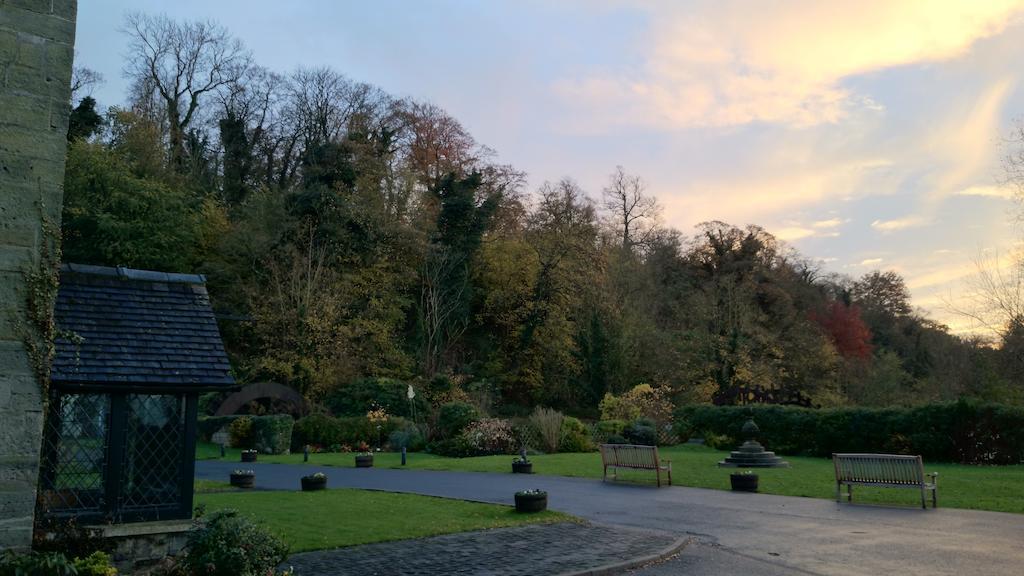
867	135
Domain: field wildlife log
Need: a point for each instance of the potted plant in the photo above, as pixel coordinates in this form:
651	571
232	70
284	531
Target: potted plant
249	455
364	458
521	465
313	482
745	481
531	501
243	478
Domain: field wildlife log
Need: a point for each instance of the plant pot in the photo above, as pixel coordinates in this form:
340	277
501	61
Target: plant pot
531	502
243	480
522	467
364	461
743	482
312	484
249	456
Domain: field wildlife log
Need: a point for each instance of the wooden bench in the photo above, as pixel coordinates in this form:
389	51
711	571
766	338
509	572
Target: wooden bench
634	457
885	470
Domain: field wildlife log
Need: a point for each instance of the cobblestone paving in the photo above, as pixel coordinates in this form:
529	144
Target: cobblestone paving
528	550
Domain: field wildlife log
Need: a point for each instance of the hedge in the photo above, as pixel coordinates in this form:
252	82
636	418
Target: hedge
964	431
270	434
326	431
359	397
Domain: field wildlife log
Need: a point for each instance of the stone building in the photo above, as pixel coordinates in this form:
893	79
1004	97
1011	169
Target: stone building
36	49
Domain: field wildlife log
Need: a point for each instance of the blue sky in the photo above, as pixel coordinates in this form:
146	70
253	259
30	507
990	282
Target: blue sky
865	134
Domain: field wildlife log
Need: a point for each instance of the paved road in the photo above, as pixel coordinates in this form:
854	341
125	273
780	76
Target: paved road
734	532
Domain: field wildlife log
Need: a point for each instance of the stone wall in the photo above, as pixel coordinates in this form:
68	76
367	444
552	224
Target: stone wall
36	49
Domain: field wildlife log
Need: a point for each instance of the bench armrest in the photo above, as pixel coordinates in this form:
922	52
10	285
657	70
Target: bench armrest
664	461
934	476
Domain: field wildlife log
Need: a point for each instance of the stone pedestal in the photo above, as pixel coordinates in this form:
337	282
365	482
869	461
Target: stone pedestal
141	546
752	454
36	48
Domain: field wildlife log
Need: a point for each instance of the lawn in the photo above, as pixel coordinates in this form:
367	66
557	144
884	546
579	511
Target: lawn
346	517
998	488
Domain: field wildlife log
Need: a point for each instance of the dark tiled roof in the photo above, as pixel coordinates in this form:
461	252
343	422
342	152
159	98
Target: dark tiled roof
137	328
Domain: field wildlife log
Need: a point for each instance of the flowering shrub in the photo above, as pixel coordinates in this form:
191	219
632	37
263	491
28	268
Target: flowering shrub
490	436
377	415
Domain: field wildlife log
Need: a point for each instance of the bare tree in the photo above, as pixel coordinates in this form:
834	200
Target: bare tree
633	214
181	62
83	80
994	298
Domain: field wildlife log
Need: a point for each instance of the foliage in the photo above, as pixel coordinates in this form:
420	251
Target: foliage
454	417
321	431
962	431
96	564
227	543
490	436
409	437
36	564
683	430
574	436
643	431
209	425
548	424
642	400
357	397
272	434
241	432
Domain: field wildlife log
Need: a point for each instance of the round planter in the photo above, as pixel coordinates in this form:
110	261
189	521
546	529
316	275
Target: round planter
531	502
522	467
364	461
311	484
249	456
743	482
243	480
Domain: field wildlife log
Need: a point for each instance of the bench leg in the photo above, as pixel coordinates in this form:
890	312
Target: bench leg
924	501
839	492
935	498
657	473
669	476
604	478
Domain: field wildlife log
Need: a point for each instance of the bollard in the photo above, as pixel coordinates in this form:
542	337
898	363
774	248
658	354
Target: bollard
305	453
403	455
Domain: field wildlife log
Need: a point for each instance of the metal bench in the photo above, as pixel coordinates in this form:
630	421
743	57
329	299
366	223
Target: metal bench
884	470
634	457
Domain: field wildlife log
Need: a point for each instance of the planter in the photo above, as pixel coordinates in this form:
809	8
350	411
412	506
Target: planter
743	482
310	484
522	467
243	480
248	456
364	461
531	502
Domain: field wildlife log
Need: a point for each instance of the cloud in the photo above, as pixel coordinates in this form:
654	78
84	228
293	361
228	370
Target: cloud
899	224
987	192
870	261
831	223
730	63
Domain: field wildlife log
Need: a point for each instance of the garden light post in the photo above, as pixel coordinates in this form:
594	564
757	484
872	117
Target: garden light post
403	455
305	453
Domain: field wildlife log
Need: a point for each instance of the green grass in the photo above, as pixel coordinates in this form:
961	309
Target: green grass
996	488
345	517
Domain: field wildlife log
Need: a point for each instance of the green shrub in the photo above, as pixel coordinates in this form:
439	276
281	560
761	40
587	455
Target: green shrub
360	396
574	436
454	417
616	439
229	544
963	431
641	431
718	441
240	431
272	434
36	564
409	436
96	564
207	426
683	430
315	430
458	447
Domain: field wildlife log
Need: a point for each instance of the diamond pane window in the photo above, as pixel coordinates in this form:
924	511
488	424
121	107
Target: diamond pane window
76	448
151	470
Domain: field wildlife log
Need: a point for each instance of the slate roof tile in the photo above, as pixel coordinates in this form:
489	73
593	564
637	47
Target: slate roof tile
137	327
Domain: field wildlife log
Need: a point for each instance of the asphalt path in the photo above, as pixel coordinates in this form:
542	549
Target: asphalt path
733	533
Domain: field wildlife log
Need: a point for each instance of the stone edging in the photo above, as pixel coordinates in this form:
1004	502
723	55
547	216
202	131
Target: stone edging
617	567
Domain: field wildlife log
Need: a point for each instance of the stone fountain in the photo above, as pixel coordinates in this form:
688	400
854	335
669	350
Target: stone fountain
752	454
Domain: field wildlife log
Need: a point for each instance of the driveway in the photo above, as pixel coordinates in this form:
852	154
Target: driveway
733	532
